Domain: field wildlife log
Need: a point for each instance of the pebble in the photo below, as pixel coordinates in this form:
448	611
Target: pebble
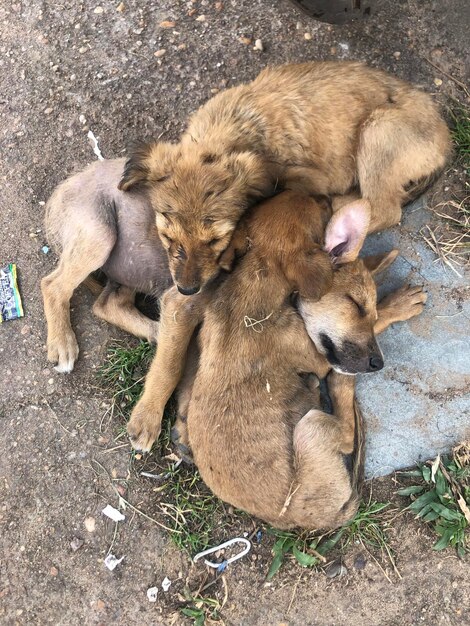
53	571
98	10
90	524
76	544
83	49
167	24
437	82
335	569
159	53
121	7
397	54
259	45
82	119
307	36
201	18
245	40
359	562
25	330
219	6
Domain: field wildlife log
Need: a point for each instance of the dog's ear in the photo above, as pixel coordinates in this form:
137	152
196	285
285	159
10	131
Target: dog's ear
379	262
237	247
148	162
347	230
250	173
310	274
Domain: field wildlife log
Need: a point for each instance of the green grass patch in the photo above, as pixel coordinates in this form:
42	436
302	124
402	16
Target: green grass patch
441	498
368	528
461	135
193	516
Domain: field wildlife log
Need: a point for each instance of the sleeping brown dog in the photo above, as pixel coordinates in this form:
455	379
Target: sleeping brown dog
326	128
254	422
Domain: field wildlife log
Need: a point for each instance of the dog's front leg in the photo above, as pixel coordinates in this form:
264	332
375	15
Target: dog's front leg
179	317
341	389
399	306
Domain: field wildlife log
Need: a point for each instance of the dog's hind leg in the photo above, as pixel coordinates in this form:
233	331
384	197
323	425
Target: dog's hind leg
84	252
402	148
322	494
116	305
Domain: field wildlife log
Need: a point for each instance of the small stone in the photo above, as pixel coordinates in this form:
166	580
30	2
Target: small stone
50	381
307	36
201	18
298	26
152	594
48	111
191	12
25	330
167	24
138	457
335	569
76	544
33	235
121	490
360	562
159	53
83	49
82	119
259	45
182	46
90	524
397	54
53	571
437	82
100	605
245	40
219	6
98	10
333	50
121	7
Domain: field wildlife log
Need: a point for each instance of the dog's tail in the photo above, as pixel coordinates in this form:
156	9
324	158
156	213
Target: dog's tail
355	465
416	188
357	471
96	282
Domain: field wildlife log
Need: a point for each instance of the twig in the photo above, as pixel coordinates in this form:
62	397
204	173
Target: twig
131	506
54	415
455	80
255	324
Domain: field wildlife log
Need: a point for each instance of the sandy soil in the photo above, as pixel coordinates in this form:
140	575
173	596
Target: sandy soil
63	60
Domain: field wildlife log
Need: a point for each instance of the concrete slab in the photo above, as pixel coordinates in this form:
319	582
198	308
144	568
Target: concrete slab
419	404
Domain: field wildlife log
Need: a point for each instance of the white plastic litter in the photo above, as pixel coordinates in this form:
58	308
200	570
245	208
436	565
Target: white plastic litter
166	583
152	594
112	562
94	145
113	513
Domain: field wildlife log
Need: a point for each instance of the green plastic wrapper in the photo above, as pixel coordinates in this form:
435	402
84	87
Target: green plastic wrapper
10	300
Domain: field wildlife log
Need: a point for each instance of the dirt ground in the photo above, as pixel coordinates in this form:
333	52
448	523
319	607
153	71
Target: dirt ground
74	65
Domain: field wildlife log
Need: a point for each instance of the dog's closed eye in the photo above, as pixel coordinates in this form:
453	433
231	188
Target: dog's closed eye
360	308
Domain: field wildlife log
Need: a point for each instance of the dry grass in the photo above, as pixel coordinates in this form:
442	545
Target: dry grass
450	239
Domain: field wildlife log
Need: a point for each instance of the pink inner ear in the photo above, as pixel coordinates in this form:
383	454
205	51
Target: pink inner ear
347	228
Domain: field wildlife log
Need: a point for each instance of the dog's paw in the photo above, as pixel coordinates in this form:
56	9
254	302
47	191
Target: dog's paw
179	437
405	303
144	426
63	351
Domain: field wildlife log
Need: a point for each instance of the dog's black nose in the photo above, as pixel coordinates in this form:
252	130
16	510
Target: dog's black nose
188	291
376	363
